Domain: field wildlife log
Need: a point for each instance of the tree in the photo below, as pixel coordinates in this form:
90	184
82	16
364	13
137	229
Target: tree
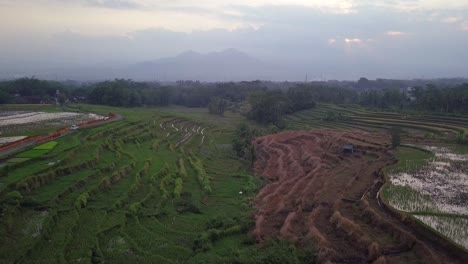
301	97
4	97
62	99
364	83
396	138
242	142
217	106
268	106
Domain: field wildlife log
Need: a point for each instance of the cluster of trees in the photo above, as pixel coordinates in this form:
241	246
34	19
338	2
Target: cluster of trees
268	103
242	142
29	90
217	106
449	100
128	93
269	106
429	98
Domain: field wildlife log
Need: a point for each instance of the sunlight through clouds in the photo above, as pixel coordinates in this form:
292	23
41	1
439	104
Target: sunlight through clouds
395	33
353	40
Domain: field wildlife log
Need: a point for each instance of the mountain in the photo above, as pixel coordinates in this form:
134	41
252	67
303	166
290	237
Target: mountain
226	65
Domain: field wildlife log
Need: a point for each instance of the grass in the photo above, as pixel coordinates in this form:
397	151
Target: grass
48	146
406	199
33	153
459	149
17	160
31	108
409	159
426	190
451	227
121	211
356	117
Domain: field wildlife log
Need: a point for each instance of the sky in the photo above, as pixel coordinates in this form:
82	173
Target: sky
324	39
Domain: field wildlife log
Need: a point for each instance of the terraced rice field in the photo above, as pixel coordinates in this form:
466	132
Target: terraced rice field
164	186
318	193
433	189
349	117
141	190
429	183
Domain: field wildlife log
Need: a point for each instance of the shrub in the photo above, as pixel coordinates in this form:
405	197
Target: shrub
182	171
81	201
146	167
178	187
156	145
202	243
135	207
13	197
167	180
163	172
203	179
273	252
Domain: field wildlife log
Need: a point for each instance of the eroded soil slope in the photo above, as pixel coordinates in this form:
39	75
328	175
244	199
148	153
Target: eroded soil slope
317	193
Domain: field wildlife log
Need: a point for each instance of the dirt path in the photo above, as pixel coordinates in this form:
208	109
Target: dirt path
319	194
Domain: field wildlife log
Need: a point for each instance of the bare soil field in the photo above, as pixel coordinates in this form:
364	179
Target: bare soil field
318	193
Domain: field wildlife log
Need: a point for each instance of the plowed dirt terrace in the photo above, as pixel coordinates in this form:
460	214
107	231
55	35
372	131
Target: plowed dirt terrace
317	193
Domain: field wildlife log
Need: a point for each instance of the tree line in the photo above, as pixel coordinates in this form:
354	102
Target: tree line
429	98
267	104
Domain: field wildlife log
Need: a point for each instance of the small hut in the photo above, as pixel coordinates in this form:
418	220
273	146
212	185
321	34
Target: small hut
348	149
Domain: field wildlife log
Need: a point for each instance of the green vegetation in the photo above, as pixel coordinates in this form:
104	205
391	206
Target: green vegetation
49	145
17	160
217	106
419	186
242	142
173	184
347	117
409	159
33	153
111	191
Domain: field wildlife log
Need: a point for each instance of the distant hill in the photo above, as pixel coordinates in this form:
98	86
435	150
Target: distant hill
226	65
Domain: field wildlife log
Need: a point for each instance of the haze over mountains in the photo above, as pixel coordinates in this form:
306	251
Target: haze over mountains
219	66
281	40
226	65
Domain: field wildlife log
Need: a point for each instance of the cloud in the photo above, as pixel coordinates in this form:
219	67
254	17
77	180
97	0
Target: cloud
412	5
305	38
464	26
395	33
452	20
353	40
113	4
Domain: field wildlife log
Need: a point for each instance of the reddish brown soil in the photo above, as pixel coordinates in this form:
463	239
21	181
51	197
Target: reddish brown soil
318	194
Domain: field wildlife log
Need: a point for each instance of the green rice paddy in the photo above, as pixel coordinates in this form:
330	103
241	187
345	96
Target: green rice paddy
131	191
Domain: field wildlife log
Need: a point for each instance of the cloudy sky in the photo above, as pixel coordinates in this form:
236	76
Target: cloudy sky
324	39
